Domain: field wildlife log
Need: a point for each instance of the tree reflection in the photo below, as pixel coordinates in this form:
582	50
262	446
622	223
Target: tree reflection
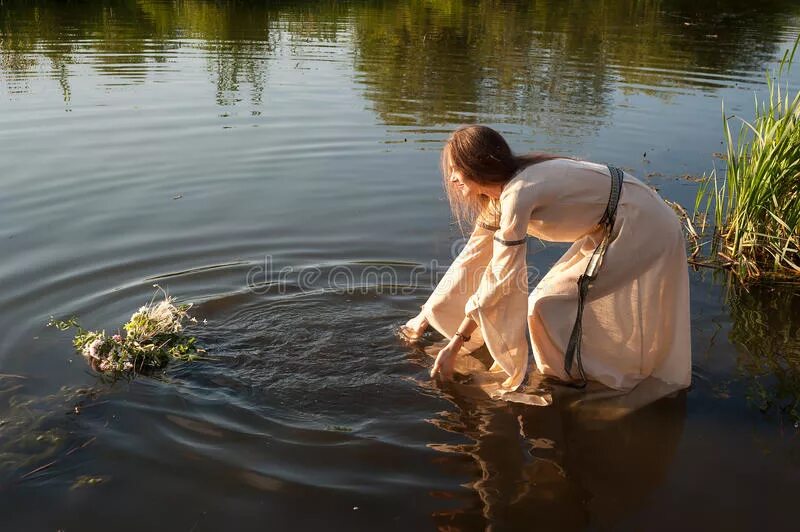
127	40
421	62
444	61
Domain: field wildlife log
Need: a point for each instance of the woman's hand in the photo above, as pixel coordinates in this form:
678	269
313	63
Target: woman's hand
415	327
446	359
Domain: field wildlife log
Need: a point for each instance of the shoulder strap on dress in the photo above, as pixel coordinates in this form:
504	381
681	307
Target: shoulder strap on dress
607	221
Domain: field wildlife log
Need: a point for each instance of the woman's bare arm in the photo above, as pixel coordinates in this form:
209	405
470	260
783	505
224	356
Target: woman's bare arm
445	360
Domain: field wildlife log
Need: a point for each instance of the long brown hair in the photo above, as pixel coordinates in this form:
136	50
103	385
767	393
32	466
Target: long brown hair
483	156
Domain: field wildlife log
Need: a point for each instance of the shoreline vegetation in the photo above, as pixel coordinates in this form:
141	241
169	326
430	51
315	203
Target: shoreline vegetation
749	221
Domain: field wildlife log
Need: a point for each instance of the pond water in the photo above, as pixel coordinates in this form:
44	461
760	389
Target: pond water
276	164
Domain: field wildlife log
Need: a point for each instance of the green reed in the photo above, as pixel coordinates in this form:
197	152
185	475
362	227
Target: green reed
756	207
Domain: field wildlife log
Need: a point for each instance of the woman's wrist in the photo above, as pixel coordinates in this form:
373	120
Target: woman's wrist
457	340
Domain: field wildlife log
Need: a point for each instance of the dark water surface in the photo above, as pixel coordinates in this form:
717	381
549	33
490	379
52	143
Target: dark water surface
205	146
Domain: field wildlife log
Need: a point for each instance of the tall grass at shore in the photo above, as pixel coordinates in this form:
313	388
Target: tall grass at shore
755	209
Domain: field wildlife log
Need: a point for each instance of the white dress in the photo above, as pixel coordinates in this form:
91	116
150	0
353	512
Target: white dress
636	315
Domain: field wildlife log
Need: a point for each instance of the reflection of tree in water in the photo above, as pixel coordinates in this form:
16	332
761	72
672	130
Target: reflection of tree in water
61	33
237	40
566	466
127	38
440	61
422	61
765	327
21	52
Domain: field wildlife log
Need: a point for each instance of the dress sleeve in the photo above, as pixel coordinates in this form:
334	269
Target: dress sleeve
444	309
500	304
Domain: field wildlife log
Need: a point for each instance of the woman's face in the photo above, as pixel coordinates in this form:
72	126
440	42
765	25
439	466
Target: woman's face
464	185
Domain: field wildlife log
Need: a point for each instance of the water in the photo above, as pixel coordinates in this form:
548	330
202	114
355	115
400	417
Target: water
249	159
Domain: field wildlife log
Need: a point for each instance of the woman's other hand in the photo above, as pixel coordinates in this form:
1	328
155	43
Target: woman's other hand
446	359
415	327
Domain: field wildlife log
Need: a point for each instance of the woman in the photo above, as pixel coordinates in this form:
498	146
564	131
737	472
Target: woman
621	321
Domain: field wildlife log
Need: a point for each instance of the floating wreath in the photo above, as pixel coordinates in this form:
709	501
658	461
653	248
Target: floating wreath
152	337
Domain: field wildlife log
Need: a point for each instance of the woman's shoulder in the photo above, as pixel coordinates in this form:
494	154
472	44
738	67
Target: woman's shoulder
547	168
562	167
546	181
534	174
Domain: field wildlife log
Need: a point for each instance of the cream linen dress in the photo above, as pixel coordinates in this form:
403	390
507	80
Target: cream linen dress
636	315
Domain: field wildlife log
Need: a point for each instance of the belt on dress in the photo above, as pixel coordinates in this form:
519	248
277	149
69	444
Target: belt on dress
573	351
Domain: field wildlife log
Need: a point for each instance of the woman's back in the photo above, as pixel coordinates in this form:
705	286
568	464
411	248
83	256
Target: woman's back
566	198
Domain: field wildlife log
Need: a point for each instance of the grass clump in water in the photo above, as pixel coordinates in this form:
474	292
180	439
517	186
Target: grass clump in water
756	208
153	336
